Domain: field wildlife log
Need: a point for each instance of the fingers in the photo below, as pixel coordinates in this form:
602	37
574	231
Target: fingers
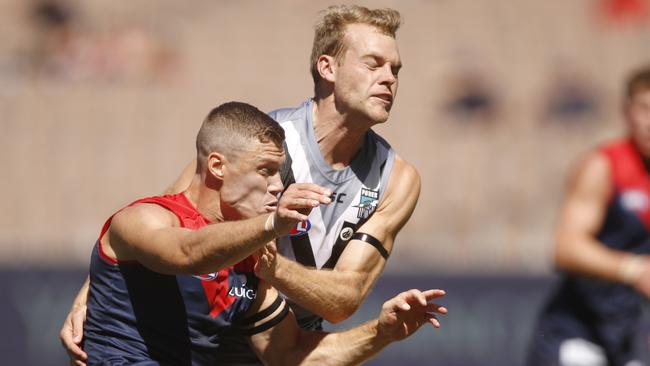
305	195
433	294
78	318
405	300
72	333
431	318
310	187
271	248
437	308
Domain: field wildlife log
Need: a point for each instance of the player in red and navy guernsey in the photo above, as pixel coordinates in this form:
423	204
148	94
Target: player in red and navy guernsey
603	245
171	276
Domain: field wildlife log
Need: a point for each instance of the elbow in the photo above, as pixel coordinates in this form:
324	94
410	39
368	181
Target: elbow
185	262
342	312
564	255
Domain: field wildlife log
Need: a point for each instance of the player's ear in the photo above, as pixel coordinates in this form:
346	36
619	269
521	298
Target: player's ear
216	164
326	66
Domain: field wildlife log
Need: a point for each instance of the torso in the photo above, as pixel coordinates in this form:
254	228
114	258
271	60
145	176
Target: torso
135	314
602	312
358	189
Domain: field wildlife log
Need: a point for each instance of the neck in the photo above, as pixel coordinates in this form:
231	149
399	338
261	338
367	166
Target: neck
340	136
205	199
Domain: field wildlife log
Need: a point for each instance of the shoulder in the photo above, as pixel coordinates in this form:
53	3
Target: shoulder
593	165
143	215
591	176
403	189
403	177
282	115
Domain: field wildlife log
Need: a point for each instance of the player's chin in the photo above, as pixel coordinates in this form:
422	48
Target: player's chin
380	113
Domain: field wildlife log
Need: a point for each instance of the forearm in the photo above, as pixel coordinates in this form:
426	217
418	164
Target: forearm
218	246
350	347
590	257
331	294
82	296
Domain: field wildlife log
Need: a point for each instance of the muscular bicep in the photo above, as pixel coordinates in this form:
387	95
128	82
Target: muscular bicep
585	204
364	256
271	326
149	234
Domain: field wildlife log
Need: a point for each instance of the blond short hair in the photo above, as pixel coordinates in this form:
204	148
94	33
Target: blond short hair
330	29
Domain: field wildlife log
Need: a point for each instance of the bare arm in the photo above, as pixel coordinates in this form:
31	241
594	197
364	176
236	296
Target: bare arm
577	248
336	294
72	330
286	344
151	234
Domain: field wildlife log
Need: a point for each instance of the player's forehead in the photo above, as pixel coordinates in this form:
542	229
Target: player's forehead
641	95
364	40
263	152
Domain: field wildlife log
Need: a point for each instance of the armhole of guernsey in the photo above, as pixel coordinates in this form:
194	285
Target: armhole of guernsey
265	319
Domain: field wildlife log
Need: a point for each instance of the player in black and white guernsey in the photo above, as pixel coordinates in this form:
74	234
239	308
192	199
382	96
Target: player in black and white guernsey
330	269
358	189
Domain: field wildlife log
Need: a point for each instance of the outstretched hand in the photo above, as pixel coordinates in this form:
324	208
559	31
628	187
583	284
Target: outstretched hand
404	314
296	203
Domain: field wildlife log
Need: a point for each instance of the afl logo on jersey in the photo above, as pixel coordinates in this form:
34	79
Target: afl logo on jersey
301	229
207	277
635	200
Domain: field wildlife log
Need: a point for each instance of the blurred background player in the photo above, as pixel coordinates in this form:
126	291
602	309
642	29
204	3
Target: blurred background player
330	262
602	245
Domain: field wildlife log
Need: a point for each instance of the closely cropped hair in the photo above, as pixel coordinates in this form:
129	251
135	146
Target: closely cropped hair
330	29
231	126
638	81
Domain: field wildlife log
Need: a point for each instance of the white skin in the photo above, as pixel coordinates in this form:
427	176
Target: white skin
355	92
577	248
365	78
153	236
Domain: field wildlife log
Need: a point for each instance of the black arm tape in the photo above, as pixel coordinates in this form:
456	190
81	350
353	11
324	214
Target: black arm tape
372	241
264	313
271	322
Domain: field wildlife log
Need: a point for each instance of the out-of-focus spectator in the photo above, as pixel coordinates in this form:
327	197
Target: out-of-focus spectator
570	99
471	99
66	47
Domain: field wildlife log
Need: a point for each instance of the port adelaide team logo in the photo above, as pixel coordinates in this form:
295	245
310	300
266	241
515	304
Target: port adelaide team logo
368	201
